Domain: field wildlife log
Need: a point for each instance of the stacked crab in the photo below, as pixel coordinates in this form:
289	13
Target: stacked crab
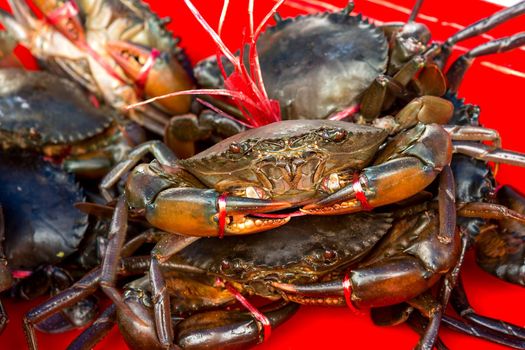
367	195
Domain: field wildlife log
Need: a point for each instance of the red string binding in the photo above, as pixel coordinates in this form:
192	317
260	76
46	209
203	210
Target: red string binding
259	316
360	194
146	69
221	204
347	287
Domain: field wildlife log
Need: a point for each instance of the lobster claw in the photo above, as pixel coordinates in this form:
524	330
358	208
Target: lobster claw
195	212
156	73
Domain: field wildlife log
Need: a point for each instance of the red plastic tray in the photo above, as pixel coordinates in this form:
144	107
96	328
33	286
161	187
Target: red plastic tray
495	83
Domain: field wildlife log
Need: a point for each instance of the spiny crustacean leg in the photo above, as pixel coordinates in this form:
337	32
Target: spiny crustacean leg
458	69
479	27
371	282
461	305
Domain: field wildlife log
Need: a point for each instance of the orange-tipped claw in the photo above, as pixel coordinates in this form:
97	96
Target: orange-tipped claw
195	212
155	73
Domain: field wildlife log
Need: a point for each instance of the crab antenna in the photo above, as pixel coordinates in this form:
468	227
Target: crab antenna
415	11
277	17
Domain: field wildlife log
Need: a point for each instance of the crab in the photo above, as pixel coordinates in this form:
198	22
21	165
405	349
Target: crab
37	108
118	50
335	261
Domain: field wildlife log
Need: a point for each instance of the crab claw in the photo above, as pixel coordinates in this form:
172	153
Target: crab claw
155	73
64	15
195	212
228	329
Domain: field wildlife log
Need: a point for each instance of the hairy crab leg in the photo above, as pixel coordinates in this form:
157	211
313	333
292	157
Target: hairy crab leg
480	27
458	69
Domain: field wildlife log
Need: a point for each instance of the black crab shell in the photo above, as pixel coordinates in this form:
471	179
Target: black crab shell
38	109
319	64
42	226
298	246
222	161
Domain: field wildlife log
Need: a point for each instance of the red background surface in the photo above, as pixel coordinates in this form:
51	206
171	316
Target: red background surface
501	99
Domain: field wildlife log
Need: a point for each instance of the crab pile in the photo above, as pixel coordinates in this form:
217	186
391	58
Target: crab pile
324	159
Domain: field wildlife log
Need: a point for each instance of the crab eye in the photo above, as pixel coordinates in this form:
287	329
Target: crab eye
334	135
235	148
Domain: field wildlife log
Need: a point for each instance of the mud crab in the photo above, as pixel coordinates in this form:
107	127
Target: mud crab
306	262
37	108
116	49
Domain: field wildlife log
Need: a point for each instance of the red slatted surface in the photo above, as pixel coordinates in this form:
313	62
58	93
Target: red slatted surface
500	97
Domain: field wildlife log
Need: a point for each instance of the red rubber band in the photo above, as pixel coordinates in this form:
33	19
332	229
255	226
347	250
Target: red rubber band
347	287
19	274
221	204
360	194
144	72
259	316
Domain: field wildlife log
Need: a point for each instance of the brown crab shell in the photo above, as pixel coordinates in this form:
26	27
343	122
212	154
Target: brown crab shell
305	250
236	161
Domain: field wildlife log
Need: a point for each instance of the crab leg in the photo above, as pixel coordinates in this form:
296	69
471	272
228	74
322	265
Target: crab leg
462	306
457	70
92	335
490	154
480	27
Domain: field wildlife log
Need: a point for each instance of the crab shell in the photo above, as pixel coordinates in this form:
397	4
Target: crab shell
287	160
39	109
303	251
42	226
318	64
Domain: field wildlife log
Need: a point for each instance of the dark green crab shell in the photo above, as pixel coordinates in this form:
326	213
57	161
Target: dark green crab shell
319	64
332	146
39	109
304	250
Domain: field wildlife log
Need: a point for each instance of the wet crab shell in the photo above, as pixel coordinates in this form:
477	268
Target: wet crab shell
38	109
319	64
42	226
304	250
308	148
